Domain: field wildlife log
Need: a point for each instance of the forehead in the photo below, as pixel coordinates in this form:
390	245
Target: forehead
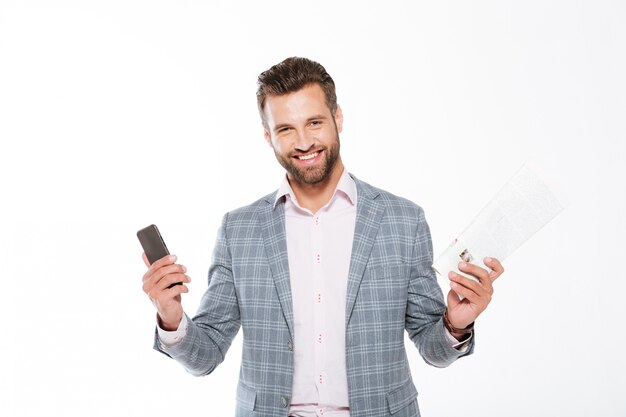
297	106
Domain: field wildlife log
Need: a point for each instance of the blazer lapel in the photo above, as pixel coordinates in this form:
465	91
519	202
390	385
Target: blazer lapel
368	216
272	220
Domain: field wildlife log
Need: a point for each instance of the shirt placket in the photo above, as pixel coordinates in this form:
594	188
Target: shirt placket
319	318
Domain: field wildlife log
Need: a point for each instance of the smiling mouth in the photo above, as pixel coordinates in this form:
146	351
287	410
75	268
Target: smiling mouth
307	156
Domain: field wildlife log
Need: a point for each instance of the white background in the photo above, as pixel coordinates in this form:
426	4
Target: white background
118	114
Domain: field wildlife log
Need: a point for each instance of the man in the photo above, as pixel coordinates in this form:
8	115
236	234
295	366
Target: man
323	276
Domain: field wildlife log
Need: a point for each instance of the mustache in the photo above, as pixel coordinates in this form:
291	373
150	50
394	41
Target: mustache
311	150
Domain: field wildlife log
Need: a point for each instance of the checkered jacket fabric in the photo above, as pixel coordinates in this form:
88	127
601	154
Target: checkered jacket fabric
391	288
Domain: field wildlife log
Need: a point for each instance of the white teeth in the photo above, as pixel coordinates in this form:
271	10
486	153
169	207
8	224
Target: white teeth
310	156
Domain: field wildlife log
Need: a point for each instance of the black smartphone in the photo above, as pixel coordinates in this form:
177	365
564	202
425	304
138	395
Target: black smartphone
153	245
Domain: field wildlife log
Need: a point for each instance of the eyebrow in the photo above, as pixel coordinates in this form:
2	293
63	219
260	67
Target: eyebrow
310	119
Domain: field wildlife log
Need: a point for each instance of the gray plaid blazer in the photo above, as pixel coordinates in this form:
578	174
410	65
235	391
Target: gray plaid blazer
391	287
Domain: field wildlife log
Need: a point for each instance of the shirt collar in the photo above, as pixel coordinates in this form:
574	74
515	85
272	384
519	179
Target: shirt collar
346	186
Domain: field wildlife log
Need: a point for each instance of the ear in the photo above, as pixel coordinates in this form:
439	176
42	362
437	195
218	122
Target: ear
268	137
339	119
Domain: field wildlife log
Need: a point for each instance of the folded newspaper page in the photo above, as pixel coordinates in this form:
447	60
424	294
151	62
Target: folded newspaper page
523	206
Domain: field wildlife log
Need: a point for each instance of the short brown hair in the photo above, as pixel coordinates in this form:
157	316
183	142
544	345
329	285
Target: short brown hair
291	75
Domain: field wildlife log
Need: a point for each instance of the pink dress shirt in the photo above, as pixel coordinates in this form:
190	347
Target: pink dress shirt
319	246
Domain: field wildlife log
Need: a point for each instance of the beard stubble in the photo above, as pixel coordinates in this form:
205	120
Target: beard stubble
312	175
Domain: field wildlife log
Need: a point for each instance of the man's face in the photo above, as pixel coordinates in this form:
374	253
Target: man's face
303	133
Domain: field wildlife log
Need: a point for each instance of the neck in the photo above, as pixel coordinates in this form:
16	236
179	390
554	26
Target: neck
315	196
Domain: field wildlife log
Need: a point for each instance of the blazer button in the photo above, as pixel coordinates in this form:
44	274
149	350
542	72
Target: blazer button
290	345
283	401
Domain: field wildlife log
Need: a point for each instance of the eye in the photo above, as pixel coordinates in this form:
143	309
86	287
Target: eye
315	123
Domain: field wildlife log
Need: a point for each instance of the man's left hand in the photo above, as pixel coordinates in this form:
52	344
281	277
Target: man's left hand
477	295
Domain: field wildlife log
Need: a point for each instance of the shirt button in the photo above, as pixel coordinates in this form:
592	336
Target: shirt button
290	345
283	401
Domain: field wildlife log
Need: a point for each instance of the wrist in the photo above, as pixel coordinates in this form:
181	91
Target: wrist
461	337
169	326
458	333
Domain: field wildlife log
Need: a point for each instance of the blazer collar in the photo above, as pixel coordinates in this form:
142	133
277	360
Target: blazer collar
368	217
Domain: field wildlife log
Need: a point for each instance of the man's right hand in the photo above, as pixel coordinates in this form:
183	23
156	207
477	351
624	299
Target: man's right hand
156	282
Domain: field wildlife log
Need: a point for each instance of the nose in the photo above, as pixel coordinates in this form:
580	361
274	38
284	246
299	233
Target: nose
304	141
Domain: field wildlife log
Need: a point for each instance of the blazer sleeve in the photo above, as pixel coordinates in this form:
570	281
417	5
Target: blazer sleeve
425	307
211	332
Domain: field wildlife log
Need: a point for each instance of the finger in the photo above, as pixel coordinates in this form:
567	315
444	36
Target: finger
163	296
166	260
156	274
466	293
161	276
496	268
176	291
150	280
470	285
168	295
153	269
171	279
476	271
480	273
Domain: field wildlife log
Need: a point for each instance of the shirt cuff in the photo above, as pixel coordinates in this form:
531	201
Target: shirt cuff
460	346
169	339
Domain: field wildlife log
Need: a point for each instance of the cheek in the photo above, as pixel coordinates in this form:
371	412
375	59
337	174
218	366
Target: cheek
278	145
330	135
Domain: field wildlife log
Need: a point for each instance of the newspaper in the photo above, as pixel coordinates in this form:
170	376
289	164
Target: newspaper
524	205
